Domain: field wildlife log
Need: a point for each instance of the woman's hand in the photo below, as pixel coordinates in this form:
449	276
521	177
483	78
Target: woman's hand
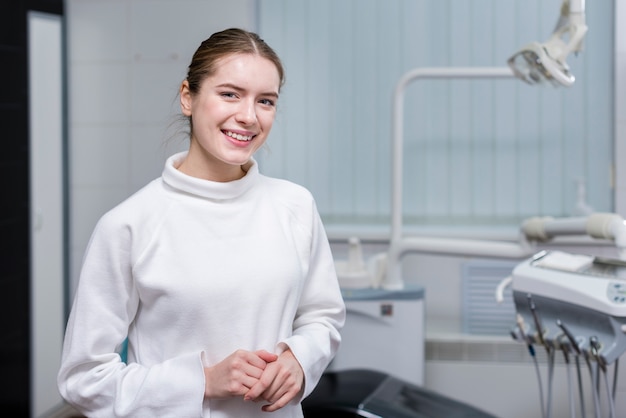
280	382
236	374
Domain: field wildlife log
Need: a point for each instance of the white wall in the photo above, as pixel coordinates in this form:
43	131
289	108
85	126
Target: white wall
620	107
126	60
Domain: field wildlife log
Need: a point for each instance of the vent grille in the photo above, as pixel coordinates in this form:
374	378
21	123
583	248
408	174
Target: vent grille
481	313
486	324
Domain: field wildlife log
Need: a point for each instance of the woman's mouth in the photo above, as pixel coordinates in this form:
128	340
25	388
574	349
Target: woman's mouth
238	137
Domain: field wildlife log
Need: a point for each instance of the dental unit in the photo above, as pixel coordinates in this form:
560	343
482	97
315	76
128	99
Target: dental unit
384	271
575	304
572	305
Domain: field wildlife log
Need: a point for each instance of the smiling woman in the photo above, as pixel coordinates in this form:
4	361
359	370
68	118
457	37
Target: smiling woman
220	279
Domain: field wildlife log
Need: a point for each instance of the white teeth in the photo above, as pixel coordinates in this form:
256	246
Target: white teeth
238	137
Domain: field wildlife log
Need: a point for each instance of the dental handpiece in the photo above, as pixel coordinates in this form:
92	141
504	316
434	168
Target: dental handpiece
595	345
569	335
564	345
520	325
595	351
533	311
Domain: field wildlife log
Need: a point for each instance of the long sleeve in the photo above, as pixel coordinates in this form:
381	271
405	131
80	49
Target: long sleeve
321	311
93	377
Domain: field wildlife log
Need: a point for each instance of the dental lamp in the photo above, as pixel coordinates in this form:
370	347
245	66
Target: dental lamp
538	62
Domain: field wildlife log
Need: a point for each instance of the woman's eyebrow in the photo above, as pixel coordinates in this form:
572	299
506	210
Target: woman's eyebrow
241	89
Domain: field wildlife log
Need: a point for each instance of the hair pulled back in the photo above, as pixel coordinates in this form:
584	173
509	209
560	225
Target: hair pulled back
224	43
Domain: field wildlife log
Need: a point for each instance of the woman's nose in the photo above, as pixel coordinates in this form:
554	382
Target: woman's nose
246	113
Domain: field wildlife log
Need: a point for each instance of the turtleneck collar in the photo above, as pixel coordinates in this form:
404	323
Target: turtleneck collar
205	188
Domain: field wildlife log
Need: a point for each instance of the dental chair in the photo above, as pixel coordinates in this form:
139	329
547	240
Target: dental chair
374	394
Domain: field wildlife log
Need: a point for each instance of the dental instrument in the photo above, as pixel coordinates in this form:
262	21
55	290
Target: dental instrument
569	336
589	295
538	326
550	353
546	62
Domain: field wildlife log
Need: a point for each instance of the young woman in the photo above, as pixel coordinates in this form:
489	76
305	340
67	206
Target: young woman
220	279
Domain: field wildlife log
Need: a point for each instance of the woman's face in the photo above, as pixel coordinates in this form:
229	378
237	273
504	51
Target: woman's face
232	116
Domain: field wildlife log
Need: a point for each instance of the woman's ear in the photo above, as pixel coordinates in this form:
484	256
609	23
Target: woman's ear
185	98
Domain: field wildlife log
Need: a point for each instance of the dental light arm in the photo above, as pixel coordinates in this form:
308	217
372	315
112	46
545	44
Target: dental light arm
608	226
537	63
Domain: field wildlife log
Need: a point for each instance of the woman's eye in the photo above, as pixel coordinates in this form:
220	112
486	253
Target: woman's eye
228	94
267	102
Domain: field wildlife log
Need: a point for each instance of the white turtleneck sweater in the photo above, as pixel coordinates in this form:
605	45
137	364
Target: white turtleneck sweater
189	271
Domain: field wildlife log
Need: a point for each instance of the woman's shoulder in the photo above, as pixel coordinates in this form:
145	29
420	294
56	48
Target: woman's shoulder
287	189
138	206
292	197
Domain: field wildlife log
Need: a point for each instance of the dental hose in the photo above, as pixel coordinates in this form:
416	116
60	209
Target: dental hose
568	369
578	352
570	389
550	382
539	381
601	366
531	351
593	372
615	371
580	387
544	414
547	410
608	391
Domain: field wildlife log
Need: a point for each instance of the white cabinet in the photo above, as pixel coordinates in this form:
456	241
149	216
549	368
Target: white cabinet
384	331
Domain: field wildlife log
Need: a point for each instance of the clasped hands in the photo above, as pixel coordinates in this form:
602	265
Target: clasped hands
257	376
